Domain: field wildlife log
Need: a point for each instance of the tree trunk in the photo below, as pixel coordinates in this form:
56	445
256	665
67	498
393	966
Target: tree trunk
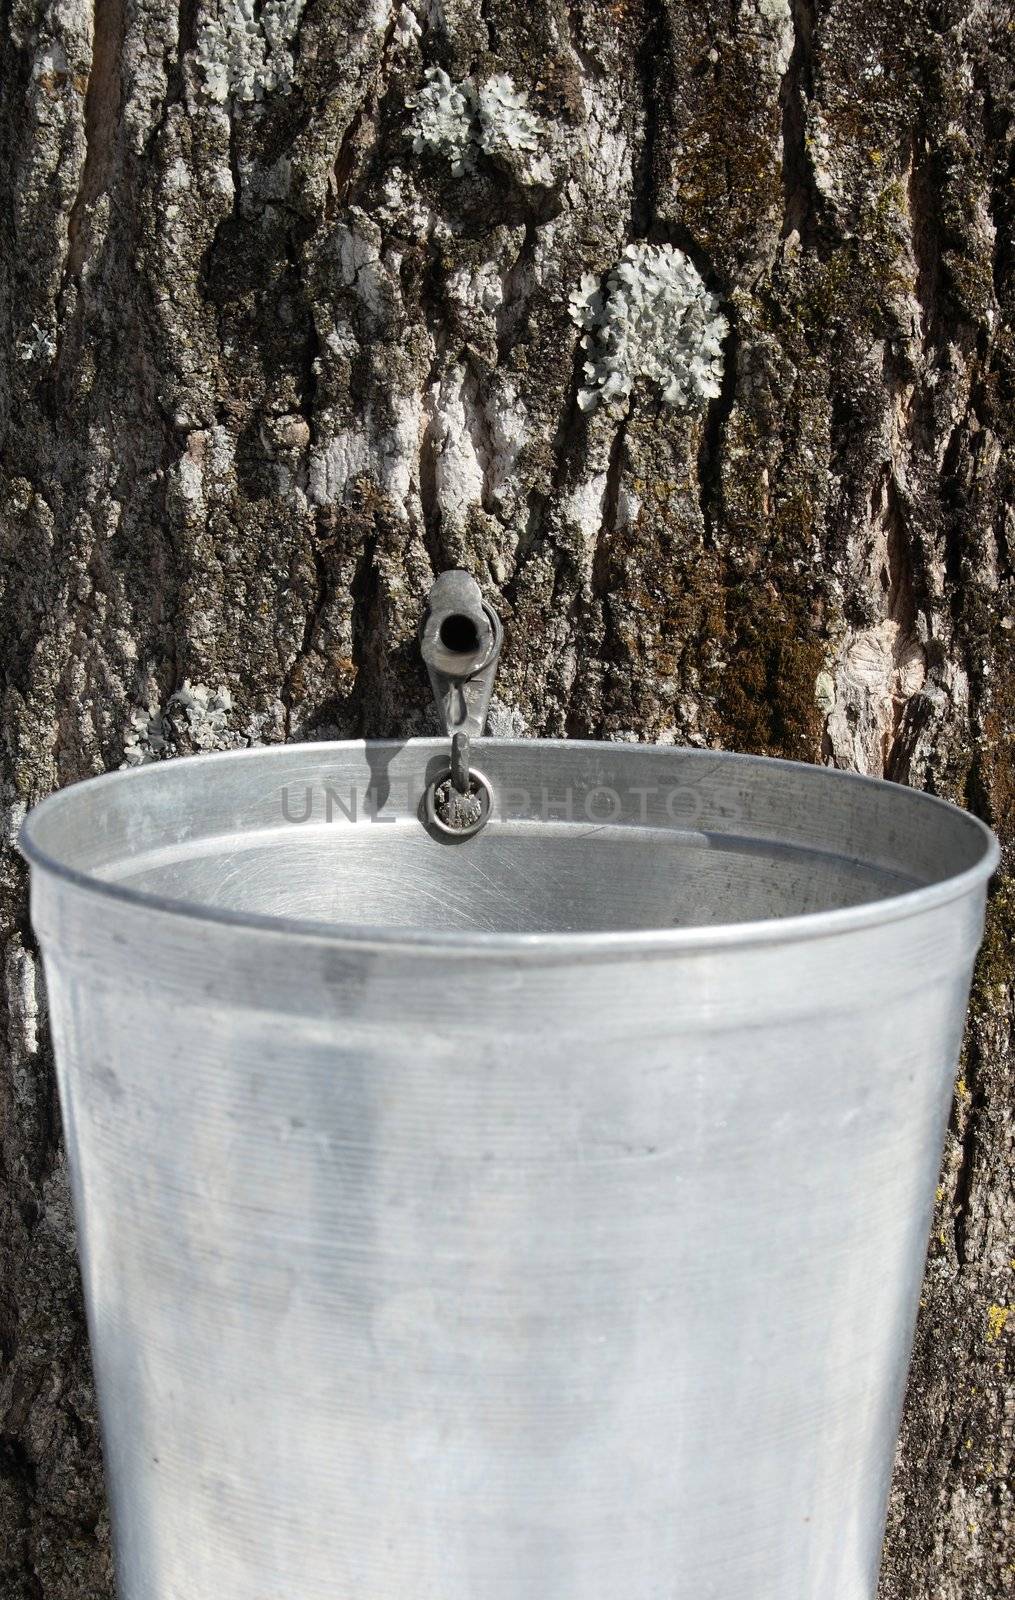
290	326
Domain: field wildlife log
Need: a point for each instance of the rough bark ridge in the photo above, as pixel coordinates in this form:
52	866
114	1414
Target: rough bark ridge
265	367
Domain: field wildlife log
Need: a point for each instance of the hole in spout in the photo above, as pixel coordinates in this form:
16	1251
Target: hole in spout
459	634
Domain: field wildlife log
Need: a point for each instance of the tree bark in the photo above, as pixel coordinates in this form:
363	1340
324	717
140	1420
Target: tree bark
269	362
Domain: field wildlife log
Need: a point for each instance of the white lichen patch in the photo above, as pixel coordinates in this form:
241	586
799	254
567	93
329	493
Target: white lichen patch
38	344
244	55
443	119
145	741
196	718
507	130
205	712
459	121
653	318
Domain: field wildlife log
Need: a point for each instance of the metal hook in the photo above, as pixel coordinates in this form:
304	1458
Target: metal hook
460	762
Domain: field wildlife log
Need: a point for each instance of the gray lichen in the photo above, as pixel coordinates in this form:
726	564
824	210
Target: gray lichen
654	319
459	120
38	344
195	719
444	119
505	128
244	51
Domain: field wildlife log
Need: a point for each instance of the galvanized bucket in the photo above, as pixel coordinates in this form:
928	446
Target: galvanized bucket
533	1215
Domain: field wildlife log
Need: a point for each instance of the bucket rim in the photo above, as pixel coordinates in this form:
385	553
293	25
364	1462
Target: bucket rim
542	945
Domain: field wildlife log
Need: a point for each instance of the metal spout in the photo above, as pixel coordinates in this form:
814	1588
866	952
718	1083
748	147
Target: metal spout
461	644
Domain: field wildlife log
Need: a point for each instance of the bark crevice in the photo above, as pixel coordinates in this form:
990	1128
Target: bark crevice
102	121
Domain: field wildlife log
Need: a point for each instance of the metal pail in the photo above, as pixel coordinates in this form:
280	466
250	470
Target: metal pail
538	1215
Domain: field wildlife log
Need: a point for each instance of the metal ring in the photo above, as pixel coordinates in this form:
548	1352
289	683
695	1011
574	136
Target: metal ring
478	786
